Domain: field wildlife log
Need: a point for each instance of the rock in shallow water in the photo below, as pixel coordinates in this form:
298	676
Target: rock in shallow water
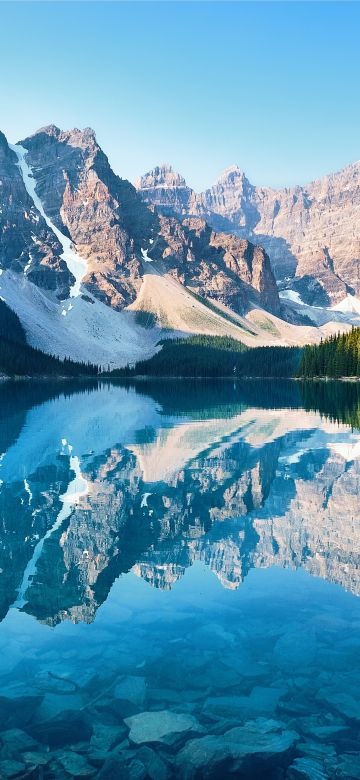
306	769
346	766
15	740
163	726
132	689
261	701
104	738
344	703
68	728
75	764
11	768
294	650
261	737
155	766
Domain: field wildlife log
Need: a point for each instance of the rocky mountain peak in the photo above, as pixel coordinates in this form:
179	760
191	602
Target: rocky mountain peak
51	130
115	233
311	233
27	245
162	176
231	175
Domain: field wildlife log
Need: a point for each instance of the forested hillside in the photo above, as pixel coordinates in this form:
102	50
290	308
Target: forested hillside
216	356
10	325
334	357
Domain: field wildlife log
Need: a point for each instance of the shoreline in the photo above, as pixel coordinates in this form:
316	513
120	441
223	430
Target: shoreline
147	377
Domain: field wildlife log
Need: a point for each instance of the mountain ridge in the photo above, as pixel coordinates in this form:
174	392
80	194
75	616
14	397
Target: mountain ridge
310	232
85	262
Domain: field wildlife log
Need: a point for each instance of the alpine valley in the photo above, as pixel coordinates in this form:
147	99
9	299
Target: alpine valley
98	269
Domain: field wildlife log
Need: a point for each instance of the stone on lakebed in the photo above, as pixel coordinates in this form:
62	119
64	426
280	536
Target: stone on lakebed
162	726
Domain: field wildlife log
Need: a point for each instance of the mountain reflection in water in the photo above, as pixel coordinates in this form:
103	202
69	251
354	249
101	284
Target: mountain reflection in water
179	566
103	479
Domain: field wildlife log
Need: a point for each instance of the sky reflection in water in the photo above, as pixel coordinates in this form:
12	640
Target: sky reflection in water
179	573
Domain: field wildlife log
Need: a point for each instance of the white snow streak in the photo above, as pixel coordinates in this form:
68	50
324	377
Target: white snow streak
291	295
145	256
75	263
144	499
77	488
27	488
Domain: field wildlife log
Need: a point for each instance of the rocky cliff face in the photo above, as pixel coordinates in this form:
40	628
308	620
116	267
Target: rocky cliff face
219	266
100	212
311	233
165	188
117	233
27	245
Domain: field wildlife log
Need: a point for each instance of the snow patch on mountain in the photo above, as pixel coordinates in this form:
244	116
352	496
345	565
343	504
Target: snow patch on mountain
76	264
77	488
349	305
89	331
145	256
291	295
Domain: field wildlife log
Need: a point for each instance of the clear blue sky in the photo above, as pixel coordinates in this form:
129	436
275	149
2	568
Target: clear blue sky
273	87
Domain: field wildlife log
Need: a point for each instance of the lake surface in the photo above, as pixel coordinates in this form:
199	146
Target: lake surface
180	580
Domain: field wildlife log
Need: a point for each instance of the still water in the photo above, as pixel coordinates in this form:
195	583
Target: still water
180	581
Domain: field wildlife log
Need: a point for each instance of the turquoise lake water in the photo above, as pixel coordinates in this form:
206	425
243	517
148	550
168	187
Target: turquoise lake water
180	581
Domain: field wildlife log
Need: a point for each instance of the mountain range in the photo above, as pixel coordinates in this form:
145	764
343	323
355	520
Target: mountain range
98	269
311	233
125	480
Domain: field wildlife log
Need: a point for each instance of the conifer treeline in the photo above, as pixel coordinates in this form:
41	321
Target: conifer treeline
337	401
18	359
336	356
215	357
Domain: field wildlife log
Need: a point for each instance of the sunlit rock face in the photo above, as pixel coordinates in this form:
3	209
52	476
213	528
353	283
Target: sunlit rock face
164	187
27	245
311	233
119	235
93	207
139	489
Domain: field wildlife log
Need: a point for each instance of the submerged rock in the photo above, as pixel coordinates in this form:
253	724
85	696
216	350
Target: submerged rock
65	729
344	703
132	689
265	738
315	750
348	766
306	769
136	770
155	766
75	764
114	767
104	738
18	710
295	650
261	701
15	740
11	768
163	726
34	758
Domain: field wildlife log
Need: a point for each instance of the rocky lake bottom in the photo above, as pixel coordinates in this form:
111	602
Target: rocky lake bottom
179	582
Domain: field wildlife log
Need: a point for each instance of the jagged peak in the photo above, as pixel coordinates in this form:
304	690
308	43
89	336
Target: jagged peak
230	174
85	136
52	130
88	132
162	175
